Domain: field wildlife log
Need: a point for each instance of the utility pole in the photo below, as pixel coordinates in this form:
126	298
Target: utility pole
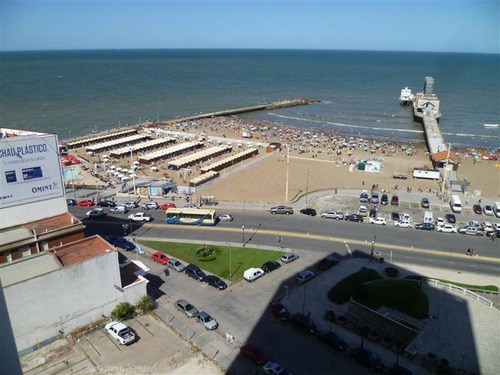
287	171
446	168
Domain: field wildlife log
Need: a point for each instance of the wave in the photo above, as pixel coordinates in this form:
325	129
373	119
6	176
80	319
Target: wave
347	125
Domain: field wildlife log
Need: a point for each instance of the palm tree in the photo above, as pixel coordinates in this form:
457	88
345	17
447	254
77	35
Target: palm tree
363	332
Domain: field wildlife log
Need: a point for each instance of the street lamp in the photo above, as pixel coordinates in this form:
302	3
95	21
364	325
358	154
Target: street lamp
373	246
230	260
286	287
243	225
287	171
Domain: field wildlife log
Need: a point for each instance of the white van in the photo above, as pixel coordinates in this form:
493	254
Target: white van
252	274
455	204
496	209
428	217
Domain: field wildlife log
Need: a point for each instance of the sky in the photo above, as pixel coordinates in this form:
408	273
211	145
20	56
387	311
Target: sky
391	25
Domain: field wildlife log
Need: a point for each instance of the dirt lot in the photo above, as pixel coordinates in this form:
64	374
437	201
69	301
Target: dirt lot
158	350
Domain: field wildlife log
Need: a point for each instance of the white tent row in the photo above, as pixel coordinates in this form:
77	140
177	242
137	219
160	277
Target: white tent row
203	178
81	142
167	152
201	155
227	161
141	146
116	142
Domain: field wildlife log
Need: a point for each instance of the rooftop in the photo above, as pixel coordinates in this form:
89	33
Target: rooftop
82	250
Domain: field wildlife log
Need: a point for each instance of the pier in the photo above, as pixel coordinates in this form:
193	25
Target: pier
235	111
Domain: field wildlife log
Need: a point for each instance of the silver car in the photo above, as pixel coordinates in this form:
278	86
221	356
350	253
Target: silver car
176	265
338	215
208	322
186	308
289	257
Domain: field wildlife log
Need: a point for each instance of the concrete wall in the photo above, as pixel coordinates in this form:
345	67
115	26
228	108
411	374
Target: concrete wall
66	299
32	212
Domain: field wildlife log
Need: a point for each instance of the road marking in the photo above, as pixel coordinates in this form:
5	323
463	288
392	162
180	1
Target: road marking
319	237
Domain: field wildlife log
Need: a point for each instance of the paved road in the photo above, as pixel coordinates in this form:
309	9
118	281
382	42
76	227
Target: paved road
325	235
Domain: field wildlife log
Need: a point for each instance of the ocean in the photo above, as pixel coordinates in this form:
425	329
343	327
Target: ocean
74	93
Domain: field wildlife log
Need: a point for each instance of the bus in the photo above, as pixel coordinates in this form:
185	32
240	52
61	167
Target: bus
191	216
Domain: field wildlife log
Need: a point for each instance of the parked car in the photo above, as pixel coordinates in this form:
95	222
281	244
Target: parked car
216	282
140	216
131	204
120	209
338	215
399	370
226	217
85	203
96	212
120	332
425	203
474	223
252	274
208	322
333	340
384	201
270	266
304	276
450	218
477	209
281	210
367	358
403	224
440	222
425	226
327	262
120	242
191	205
378	220
150	205
166	206
363	211
289	257
375	198
373	213
395	216
176	265
192	270
272	368
447	228
106	203
71	202
308	211
488	210
304	323
186	308
472	231
363	197
354	217
253	353
280	311
487	227
495	232
159	257
395	200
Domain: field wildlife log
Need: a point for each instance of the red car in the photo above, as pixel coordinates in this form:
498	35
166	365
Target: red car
280	311
253	353
159	257
477	209
85	203
166	206
395	200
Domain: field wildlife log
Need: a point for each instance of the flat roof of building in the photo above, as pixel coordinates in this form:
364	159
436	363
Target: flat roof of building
82	250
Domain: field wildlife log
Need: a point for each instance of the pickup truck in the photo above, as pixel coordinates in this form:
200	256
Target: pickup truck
281	210
120	332
139	216
470	230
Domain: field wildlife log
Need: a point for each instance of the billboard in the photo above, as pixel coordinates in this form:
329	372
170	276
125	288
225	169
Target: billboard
29	170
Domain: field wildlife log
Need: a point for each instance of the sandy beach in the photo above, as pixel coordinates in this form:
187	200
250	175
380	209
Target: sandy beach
318	161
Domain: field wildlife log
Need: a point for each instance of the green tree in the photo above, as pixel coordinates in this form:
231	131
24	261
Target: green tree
331	317
145	305
122	311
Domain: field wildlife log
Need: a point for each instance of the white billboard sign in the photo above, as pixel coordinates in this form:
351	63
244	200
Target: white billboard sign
29	170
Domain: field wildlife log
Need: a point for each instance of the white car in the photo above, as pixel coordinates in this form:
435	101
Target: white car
440	222
496	226
378	220
404	216
252	274
488	210
403	224
272	368
96	212
447	228
131	204
150	205
486	225
139	216
226	217
208	322
120	332
474	223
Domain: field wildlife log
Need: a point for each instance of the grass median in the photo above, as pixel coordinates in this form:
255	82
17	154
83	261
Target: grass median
228	259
